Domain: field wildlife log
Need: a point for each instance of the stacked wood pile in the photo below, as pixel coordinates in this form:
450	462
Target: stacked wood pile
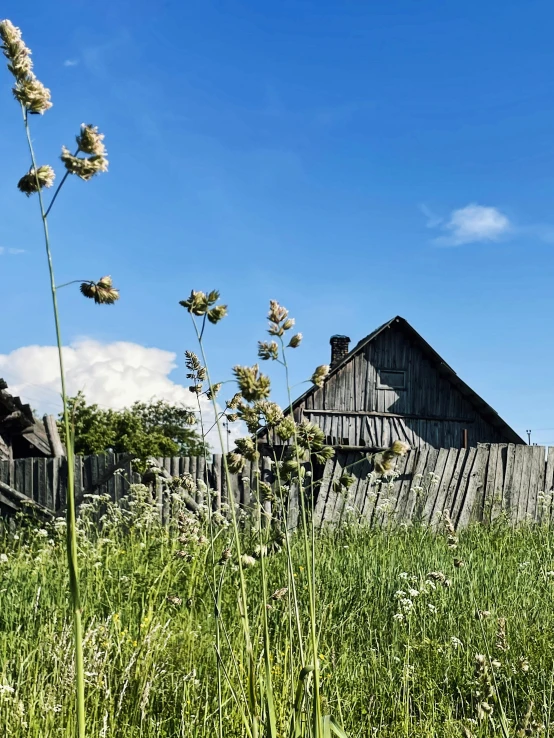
21	433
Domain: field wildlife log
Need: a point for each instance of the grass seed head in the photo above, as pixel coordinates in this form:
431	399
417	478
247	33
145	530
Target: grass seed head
102	292
82	167
213	391
247	447
235	462
268	350
277	313
286	429
318	377
36	180
252	384
217	313
15	50
90	141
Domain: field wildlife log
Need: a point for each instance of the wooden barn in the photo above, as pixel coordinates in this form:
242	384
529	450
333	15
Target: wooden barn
21	434
394	386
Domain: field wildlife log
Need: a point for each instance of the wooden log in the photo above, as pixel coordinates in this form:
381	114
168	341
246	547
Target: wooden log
22	500
53	435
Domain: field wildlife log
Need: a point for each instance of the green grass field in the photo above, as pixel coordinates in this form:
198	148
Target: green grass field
397	647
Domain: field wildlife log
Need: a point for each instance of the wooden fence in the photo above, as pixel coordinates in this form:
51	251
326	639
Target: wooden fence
44	480
475	484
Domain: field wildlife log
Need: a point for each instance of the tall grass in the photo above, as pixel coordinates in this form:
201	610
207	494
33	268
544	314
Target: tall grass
149	643
255	696
34	99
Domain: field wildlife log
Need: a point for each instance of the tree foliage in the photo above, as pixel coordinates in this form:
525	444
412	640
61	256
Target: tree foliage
145	429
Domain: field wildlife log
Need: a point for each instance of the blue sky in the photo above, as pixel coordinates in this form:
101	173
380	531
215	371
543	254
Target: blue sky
353	160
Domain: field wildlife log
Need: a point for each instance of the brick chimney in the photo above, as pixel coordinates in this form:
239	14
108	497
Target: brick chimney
339	349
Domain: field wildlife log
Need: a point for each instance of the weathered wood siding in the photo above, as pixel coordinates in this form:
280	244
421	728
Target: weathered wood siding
353	410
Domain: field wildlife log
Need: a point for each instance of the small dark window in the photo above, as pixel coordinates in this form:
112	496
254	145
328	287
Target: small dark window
392	379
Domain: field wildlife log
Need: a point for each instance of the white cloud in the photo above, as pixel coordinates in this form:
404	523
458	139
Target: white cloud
473	224
71	62
13	252
110	374
433	220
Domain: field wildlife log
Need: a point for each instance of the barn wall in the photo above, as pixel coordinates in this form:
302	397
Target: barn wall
380	431
434	412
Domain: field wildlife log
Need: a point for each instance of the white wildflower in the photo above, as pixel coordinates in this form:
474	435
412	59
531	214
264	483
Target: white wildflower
3	558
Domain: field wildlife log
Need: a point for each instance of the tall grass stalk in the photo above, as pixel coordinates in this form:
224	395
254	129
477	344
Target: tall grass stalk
34	98
262	708
243	601
308	539
71	545
216	584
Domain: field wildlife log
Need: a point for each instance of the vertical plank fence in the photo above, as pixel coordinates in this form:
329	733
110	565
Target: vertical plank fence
475	485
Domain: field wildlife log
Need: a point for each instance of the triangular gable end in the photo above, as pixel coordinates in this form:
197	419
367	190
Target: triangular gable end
393	384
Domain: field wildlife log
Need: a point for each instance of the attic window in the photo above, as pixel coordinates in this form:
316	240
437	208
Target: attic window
392	379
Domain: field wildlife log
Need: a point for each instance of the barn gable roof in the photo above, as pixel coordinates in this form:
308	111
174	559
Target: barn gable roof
482	407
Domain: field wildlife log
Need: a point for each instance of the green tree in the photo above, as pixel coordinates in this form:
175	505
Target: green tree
144	429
